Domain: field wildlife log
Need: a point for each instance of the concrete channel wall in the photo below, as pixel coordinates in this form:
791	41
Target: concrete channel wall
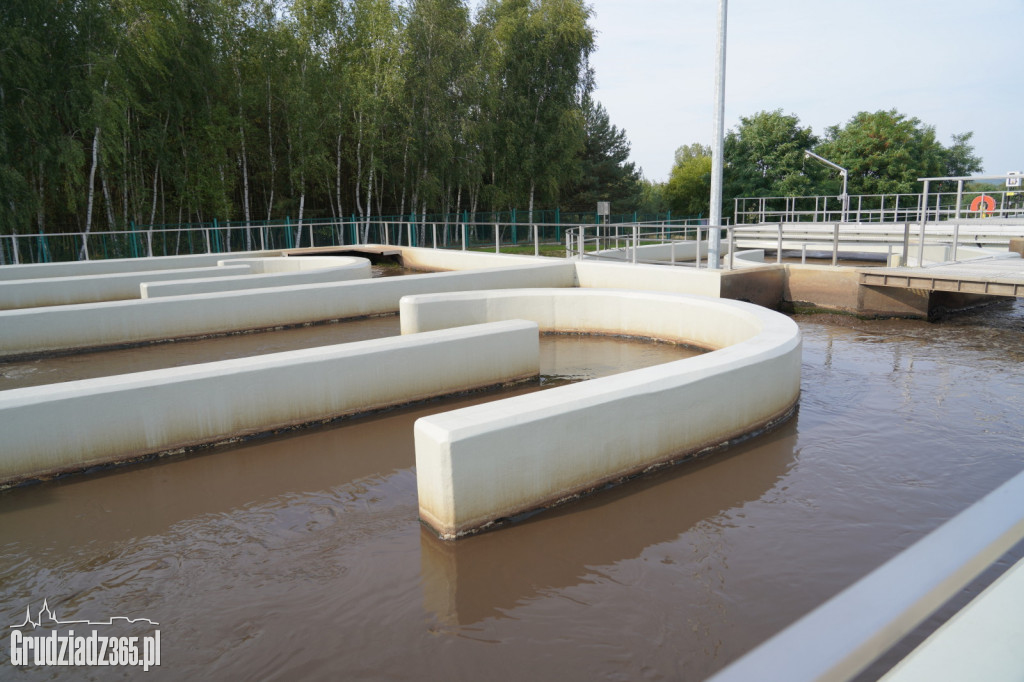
97	325
267	272
678	250
434	260
122	265
121	286
478	465
71	426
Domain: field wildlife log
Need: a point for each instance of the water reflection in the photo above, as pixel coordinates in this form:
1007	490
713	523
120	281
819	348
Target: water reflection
301	556
485	575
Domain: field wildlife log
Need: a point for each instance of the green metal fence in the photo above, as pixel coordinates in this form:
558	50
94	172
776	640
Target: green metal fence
508	228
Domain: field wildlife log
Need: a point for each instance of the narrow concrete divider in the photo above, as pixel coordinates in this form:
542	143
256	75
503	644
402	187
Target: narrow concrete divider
420	258
594	274
71	426
84	268
96	325
480	464
267	272
120	286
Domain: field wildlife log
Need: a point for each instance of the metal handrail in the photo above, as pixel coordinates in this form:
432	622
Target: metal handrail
846	634
877	207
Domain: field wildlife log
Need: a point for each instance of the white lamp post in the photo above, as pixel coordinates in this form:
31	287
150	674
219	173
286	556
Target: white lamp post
844	197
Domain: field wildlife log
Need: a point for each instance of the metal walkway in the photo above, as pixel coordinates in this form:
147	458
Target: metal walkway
994	277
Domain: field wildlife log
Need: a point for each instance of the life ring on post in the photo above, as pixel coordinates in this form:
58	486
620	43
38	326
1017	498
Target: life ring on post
989	202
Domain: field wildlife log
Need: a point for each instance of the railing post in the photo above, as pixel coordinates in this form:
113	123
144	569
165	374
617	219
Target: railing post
536	240
636	241
433	230
497	238
905	258
778	252
732	244
465	235
835	244
924	221
696	260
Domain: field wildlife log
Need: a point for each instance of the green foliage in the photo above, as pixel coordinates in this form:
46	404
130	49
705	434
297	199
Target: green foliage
764	156
139	111
886	152
689	185
652	197
606	174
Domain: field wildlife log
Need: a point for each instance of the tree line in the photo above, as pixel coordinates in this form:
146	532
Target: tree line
884	152
173	111
122	112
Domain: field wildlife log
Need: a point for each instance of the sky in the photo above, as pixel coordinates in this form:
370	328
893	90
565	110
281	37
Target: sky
958	66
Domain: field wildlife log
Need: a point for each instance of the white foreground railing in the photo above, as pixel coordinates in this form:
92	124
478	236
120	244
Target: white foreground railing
850	631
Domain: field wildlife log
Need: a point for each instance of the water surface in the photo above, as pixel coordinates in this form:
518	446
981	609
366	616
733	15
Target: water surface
300	557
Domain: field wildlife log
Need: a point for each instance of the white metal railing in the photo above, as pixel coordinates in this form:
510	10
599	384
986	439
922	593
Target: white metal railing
625	241
912	240
880	208
850	631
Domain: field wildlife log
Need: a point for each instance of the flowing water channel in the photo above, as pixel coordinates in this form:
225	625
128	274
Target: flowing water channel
300	556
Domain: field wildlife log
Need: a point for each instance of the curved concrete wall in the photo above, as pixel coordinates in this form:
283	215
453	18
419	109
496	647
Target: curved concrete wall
31	293
270	272
74	425
484	463
678	250
593	274
39	330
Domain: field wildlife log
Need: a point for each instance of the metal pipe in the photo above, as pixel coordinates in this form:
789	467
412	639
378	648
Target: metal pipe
717	141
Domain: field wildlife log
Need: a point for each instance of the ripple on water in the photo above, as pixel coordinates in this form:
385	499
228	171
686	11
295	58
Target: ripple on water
302	556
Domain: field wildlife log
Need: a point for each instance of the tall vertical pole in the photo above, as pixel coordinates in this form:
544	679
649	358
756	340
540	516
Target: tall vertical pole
718	145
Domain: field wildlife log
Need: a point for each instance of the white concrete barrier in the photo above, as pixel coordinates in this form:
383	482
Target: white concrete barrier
484	463
678	250
592	274
75	425
95	325
122	265
267	272
419	258
31	293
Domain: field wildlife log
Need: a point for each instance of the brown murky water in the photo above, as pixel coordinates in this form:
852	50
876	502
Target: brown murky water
51	370
301	558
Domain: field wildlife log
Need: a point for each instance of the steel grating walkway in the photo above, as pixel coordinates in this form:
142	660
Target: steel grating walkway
994	277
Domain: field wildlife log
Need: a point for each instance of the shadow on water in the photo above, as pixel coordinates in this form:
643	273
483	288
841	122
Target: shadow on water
482	576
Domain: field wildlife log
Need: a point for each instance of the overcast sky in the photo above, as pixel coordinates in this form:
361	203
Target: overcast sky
958	66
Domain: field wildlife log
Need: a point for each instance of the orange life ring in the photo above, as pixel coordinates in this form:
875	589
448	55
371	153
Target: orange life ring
990	203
